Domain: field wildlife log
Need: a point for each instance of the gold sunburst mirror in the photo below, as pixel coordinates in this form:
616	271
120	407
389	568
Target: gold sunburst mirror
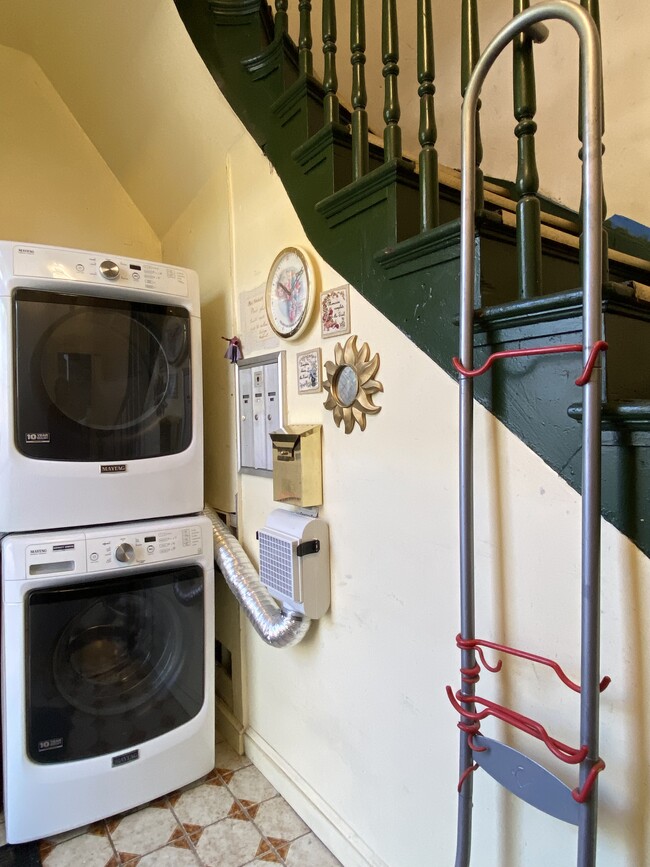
351	384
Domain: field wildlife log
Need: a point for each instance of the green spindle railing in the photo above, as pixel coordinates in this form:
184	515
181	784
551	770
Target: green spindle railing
330	79
529	241
281	18
305	59
390	57
470	51
360	158
427	133
593	8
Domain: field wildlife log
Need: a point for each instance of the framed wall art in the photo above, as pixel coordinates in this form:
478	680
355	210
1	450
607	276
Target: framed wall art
308	364
335	311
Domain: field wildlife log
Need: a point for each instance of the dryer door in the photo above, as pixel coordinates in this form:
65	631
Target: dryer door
111	664
99	379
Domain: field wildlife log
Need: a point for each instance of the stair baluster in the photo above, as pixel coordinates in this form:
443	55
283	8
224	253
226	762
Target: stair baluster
330	79
593	8
529	241
281	20
470	50
427	133
305	58
390	57
360	157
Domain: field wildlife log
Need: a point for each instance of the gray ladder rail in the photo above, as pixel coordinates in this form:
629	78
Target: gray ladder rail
530	21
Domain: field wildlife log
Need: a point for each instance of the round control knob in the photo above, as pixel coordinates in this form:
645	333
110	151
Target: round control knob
109	269
124	552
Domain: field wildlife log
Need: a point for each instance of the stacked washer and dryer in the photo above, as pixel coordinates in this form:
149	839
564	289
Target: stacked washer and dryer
107	563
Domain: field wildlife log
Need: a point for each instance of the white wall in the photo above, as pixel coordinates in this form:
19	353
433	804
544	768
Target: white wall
56	188
353	725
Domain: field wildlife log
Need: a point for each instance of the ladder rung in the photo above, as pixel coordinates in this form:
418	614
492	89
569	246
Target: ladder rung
526	779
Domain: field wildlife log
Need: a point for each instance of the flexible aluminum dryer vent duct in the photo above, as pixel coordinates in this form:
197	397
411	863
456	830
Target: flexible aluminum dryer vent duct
274	626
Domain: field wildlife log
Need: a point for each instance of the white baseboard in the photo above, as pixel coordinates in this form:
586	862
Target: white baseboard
323	820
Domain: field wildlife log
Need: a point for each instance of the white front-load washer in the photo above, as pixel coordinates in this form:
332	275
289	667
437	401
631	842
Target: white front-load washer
107	670
100	389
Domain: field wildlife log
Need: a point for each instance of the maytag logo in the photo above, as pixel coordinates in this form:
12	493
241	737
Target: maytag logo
26	250
113	468
131	756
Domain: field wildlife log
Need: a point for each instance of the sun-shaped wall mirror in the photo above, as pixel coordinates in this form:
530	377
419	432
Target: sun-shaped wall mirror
351	383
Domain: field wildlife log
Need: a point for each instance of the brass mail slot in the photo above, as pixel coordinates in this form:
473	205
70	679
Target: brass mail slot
297	473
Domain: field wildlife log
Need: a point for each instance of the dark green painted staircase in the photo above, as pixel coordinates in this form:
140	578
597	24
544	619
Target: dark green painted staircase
368	230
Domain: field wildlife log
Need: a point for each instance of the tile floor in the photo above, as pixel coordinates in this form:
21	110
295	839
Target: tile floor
231	818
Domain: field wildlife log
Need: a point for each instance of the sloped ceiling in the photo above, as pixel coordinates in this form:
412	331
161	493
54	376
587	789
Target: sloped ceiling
131	77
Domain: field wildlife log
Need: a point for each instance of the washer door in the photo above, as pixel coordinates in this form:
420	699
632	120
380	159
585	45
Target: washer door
111	664
100	379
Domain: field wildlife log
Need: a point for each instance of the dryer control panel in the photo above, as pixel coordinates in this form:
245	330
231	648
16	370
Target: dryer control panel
147	547
80	266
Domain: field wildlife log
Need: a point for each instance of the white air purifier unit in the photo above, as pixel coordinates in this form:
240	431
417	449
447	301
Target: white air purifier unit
295	562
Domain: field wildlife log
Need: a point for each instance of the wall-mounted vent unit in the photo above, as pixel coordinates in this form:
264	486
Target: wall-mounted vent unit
294	562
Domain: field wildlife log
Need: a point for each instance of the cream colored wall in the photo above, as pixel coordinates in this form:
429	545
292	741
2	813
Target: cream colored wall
353	725
200	238
56	189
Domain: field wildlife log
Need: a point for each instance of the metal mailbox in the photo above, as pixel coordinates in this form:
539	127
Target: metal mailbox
297	472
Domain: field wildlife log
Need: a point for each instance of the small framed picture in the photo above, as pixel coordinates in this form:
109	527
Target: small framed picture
335	311
309	371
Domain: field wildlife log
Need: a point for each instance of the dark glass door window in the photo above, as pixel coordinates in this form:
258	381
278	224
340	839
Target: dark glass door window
100	379
111	664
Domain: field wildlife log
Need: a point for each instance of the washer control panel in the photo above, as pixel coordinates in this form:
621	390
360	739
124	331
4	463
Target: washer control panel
135	549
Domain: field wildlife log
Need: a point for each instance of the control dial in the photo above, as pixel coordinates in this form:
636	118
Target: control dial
124	552
108	269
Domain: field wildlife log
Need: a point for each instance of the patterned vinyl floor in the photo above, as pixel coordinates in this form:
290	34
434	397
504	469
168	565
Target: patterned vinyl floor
231	818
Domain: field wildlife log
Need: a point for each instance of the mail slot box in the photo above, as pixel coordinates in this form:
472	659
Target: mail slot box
297	474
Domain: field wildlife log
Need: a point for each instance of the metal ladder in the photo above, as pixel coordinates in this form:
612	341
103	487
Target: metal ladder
543	790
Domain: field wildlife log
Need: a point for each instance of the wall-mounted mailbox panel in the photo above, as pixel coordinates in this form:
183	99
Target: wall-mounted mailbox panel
260	400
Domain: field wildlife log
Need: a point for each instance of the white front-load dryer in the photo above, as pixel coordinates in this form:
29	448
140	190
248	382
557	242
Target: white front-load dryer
107	670
100	389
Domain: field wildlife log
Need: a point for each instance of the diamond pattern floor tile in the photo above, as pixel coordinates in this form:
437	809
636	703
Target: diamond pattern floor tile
232	817
86	850
203	805
229	843
248	783
275	818
142	832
